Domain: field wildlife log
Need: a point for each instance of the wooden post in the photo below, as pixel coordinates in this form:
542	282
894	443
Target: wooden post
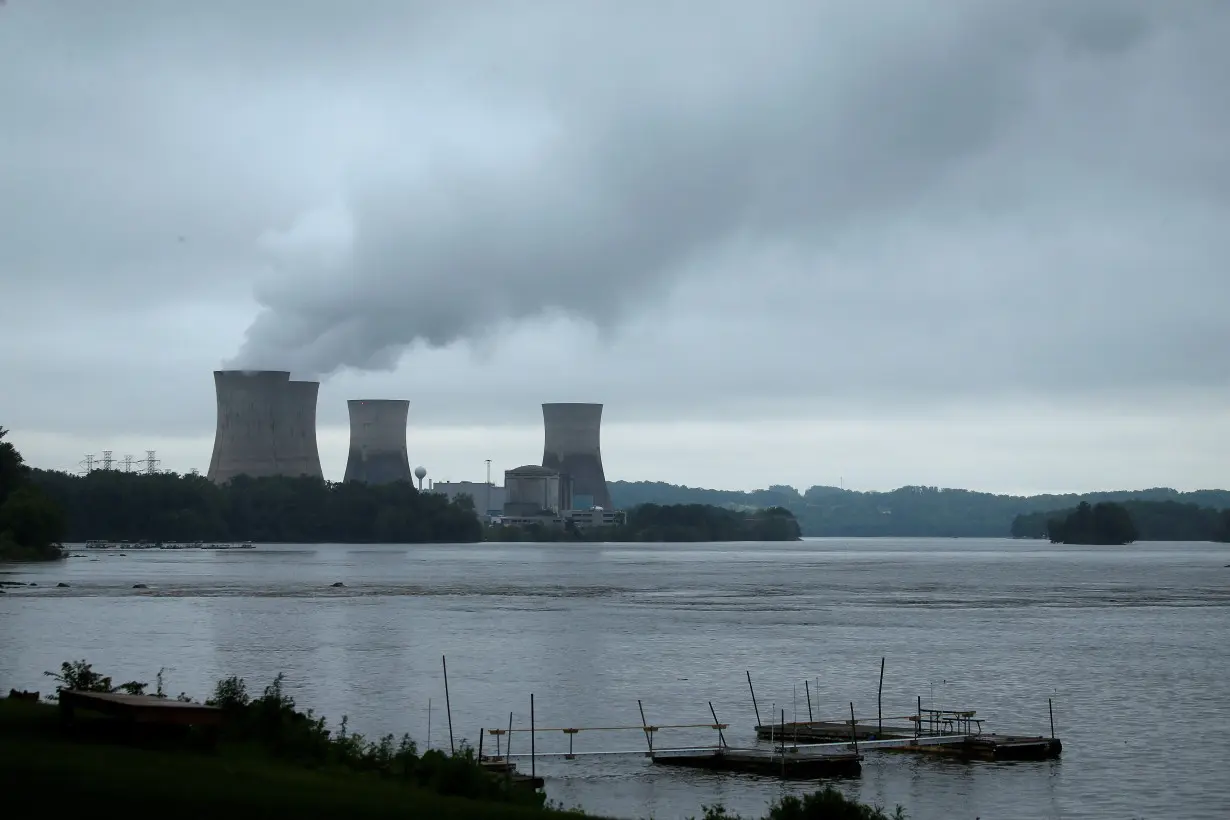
1050	707
783	744
753	691
448	708
853	730
533	769
480	744
508	765
918	719
807	691
717	723
648	734
880	701
429	724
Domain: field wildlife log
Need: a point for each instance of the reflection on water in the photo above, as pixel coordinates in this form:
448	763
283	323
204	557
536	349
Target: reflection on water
1131	644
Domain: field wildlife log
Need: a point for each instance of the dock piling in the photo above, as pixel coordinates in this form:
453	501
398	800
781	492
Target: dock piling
533	772
429	724
481	732
718	724
880	700
648	732
784	744
448	707
508	755
753	691
853	729
807	691
1050	707
918	719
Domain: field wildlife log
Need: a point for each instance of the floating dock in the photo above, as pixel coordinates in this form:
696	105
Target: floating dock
931	731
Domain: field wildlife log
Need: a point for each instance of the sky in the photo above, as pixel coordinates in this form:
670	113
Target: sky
801	242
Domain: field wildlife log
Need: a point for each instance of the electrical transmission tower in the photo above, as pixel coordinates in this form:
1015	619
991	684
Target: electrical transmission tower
106	460
87	463
127	463
150	462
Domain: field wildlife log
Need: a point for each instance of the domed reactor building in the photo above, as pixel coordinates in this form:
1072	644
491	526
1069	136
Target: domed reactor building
378	441
266	426
572	449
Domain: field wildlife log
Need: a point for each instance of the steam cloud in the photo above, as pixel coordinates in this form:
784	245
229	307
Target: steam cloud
641	148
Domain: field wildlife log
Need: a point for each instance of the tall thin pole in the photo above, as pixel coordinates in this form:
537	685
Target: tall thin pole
880	700
429	724
717	724
481	732
807	691
448	708
648	734
1050	707
508	764
488	507
753	691
532	733
853	731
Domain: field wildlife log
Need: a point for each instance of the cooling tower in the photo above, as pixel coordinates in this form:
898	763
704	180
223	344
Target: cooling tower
266	426
572	449
296	431
378	441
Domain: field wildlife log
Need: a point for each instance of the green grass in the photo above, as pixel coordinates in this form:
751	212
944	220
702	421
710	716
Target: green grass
58	773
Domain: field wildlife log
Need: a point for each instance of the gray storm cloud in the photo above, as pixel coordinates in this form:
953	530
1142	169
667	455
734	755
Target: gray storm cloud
631	148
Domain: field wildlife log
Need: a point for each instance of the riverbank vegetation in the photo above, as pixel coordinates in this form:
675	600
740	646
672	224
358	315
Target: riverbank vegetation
111	505
31	524
670	523
1153	520
272	759
907	512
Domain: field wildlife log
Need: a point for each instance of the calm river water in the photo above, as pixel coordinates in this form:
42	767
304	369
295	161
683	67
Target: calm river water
1132	644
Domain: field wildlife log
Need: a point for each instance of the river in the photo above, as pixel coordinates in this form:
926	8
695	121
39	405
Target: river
1131	644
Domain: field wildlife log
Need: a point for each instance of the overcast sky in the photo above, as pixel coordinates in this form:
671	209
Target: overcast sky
966	243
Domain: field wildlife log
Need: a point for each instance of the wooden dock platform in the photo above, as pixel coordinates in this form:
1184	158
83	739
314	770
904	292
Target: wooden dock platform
791	764
504	769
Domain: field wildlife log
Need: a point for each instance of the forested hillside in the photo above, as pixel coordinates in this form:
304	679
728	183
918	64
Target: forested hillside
908	511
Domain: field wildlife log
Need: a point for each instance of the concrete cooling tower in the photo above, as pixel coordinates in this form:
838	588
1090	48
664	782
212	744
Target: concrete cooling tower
266	426
572	449
378	441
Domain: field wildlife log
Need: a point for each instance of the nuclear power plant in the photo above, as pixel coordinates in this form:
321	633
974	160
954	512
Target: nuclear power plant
266	426
571	448
378	441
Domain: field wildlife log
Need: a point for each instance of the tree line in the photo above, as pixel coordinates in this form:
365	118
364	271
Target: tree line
110	505
913	511
1150	520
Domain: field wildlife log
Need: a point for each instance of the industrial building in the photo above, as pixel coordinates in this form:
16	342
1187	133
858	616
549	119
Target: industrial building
531	490
266	426
572	433
378	441
488	498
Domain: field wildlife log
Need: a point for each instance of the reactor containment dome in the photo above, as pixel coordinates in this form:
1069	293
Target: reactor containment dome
572	449
378	441
266	426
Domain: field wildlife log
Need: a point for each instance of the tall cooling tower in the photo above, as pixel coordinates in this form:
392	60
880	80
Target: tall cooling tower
572	449
378	441
266	426
296	431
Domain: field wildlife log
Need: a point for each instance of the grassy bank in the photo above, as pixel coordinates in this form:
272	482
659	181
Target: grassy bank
84	774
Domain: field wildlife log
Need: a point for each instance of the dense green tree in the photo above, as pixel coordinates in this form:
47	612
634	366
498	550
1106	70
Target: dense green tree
1104	523
12	467
31	524
1154	520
